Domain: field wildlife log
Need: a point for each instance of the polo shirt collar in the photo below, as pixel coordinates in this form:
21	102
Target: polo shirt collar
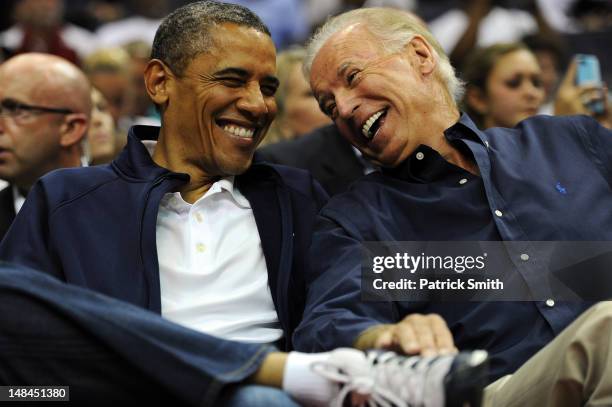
228	184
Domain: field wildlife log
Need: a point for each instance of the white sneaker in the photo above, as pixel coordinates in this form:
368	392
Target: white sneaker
389	379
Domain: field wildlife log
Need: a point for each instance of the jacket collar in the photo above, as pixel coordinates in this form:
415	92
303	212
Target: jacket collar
135	161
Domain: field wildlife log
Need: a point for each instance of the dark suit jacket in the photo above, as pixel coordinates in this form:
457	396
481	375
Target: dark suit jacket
323	152
7	210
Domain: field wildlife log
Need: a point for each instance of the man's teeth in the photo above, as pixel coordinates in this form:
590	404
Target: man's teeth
365	130
239	131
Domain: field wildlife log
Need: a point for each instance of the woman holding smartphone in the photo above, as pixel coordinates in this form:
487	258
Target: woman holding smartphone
578	96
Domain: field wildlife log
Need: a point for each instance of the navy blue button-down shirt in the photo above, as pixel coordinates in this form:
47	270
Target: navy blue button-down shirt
550	178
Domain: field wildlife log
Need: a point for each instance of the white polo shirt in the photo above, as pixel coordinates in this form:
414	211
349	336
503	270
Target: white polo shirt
213	273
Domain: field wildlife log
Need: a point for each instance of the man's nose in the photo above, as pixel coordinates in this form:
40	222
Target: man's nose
253	101
346	104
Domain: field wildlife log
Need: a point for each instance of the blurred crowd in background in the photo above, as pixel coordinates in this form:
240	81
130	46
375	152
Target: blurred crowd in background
512	54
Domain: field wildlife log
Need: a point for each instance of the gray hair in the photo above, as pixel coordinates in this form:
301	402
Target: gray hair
394	29
185	33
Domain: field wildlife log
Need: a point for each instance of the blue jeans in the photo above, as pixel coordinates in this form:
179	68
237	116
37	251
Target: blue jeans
256	396
53	333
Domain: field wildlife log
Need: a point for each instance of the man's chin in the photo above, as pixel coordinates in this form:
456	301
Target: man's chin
382	162
233	169
8	176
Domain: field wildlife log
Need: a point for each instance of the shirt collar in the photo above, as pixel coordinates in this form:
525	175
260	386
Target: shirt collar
174	200
465	129
426	164
18	199
228	184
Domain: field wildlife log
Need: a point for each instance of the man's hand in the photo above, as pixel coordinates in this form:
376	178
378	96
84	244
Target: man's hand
427	335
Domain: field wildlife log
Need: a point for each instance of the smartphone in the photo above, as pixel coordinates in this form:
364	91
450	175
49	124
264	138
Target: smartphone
589	73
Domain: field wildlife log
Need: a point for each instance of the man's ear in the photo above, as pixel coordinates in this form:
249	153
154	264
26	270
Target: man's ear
73	130
156	78
423	54
476	99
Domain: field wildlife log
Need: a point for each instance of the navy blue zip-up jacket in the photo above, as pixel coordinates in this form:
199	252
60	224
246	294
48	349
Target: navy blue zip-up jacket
95	227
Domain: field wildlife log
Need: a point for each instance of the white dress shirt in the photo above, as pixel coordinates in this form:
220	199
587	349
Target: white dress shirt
213	273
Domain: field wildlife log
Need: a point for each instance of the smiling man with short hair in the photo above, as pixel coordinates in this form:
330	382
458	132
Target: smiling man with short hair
182	223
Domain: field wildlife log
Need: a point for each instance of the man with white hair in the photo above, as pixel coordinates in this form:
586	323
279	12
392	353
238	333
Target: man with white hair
389	88
44	114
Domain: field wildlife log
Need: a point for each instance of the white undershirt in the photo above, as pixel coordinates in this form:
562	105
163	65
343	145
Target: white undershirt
18	199
213	274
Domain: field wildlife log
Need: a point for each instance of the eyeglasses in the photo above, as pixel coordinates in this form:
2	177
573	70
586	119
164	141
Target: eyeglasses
15	109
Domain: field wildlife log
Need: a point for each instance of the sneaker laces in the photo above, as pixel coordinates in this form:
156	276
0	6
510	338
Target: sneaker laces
389	379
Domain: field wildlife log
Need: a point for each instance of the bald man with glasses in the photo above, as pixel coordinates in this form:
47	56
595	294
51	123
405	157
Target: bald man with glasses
44	113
